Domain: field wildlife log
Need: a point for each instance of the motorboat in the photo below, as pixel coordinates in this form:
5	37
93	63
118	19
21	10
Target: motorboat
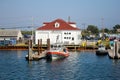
101	50
57	51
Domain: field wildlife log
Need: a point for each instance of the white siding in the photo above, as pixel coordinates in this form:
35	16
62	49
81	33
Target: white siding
41	35
65	36
53	37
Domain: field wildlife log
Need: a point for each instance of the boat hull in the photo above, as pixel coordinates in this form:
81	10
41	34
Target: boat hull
56	55
101	52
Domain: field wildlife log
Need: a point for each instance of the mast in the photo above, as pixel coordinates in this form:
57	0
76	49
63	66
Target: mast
102	26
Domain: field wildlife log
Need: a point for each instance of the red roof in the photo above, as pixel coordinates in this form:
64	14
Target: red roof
62	25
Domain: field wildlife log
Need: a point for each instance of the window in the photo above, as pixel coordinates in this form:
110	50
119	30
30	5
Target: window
67	33
72	38
57	25
64	33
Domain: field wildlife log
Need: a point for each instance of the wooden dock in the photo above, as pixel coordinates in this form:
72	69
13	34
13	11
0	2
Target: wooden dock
39	54
36	56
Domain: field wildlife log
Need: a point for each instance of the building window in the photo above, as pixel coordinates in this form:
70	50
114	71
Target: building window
67	33
57	25
72	38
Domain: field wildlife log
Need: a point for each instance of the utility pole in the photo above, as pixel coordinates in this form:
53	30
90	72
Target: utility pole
32	29
102	19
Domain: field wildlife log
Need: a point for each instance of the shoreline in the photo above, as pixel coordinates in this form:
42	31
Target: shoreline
73	47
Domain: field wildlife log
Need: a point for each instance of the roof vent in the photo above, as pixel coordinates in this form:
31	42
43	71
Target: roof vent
57	25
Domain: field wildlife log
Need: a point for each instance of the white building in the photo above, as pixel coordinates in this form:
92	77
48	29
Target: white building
58	31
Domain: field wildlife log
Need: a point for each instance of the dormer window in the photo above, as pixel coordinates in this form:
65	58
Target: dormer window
57	25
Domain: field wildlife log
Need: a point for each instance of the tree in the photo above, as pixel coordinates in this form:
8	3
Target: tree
106	30
117	26
27	32
93	29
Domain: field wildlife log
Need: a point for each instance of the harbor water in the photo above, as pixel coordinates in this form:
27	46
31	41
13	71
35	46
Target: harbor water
84	65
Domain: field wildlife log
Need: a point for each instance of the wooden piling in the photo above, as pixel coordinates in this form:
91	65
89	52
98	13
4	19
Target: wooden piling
115	50
48	44
30	52
30	43
38	47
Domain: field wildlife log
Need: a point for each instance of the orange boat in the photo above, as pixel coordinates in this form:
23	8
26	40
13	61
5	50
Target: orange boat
57	51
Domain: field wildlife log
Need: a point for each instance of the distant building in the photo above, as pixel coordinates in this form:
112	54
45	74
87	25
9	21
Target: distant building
8	34
58	31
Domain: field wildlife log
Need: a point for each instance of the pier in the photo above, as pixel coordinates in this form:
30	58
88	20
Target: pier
43	47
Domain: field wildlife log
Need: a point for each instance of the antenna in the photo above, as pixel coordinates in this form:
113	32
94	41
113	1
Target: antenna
68	18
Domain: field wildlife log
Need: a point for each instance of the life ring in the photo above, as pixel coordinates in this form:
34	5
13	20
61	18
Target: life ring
107	39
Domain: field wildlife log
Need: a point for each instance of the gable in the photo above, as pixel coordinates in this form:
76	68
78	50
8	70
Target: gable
58	24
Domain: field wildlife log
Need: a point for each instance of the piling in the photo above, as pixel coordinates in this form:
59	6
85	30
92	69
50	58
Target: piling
115	50
38	47
30	52
31	44
48	44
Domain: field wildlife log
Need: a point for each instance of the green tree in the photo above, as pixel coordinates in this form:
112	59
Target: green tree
27	32
93	29
117	26
106	30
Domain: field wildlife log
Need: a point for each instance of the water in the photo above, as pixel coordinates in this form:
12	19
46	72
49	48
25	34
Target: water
78	66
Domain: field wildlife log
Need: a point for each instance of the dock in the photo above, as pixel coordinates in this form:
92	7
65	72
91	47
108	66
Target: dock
39	54
36	56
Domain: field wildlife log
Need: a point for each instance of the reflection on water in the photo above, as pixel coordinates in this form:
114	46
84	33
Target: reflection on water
78	66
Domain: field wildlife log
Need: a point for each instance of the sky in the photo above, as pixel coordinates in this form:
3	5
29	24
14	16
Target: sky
23	13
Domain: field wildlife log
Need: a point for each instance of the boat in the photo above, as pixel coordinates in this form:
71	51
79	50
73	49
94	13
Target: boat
101	50
57	51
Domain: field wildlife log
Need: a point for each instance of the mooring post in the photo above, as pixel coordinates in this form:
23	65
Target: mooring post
30	43
40	45
48	44
115	49
29	51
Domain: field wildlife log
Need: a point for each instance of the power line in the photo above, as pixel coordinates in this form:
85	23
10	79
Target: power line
18	27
